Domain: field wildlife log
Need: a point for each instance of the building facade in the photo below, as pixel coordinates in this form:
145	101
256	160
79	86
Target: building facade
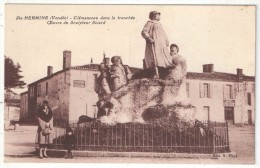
222	96
71	93
24	107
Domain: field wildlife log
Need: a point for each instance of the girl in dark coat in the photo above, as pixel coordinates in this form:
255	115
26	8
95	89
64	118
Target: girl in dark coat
69	142
45	125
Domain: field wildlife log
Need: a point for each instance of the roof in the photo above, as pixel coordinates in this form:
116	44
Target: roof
94	67
218	76
91	67
48	77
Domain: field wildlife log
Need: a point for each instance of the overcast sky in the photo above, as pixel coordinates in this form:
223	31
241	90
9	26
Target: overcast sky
221	35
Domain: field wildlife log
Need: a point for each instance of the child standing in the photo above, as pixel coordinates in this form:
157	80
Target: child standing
69	143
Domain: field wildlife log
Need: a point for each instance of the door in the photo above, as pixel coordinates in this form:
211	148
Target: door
229	115
249	117
206	113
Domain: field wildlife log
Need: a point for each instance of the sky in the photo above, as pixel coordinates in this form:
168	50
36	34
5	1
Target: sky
221	35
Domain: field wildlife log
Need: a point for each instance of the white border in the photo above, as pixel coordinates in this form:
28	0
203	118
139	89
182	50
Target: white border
180	2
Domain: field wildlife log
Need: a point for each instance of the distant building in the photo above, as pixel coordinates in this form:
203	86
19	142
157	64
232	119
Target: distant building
217	96
221	96
11	105
11	98
24	117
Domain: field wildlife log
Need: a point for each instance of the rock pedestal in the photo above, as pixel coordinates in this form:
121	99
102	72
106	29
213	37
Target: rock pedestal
133	101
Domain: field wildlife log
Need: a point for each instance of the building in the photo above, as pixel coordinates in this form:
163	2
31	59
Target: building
24	107
217	96
11	105
70	92
221	96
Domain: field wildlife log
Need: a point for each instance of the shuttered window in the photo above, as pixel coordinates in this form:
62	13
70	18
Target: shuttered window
228	92
249	99
47	88
188	89
205	90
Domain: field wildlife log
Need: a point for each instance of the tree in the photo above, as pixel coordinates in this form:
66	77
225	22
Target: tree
12	75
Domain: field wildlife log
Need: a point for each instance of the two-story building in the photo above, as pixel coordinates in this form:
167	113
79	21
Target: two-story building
221	96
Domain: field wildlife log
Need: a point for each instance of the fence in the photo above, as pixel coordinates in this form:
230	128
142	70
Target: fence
204	137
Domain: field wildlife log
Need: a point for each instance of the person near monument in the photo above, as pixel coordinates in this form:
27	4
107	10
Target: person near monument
45	125
157	55
120	74
179	62
102	88
178	73
69	142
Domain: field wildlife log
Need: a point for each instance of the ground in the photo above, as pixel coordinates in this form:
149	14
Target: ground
21	141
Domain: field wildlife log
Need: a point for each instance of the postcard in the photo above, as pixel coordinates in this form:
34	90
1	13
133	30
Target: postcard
129	83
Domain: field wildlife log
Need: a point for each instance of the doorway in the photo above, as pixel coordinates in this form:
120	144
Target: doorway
249	112
229	115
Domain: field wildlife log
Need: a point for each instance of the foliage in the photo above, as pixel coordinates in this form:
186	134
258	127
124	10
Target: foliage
12	74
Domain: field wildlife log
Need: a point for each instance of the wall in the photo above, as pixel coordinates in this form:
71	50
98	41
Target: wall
215	102
83	97
24	107
32	103
57	94
242	106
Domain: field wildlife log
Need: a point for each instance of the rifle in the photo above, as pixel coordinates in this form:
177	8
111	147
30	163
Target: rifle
155	62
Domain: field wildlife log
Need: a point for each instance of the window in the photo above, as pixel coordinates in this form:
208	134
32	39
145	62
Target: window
253	87
95	79
206	112
95	110
229	92
47	87
31	91
249	113
39	90
229	114
205	90
188	89
249	99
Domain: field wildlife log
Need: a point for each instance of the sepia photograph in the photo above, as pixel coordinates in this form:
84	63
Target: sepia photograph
129	83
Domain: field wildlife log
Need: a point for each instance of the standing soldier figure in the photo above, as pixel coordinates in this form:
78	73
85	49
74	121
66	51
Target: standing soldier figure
156	52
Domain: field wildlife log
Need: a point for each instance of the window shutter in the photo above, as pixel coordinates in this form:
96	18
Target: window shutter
246	98
210	91
201	90
188	89
224	91
232	92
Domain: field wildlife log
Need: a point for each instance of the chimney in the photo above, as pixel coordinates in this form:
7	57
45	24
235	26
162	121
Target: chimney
49	70
144	65
66	59
208	68
239	74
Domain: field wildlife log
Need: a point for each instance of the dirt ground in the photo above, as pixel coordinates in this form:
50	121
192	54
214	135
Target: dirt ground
242	141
